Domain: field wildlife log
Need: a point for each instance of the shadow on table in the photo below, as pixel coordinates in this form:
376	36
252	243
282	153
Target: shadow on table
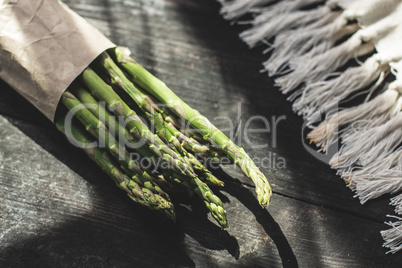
84	242
263	217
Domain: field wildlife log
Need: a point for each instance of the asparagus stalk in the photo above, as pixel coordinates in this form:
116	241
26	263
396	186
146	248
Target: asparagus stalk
166	134
188	142
211	201
171	132
136	127
198	167
201	124
203	172
137	193
183	128
98	130
100	112
191	139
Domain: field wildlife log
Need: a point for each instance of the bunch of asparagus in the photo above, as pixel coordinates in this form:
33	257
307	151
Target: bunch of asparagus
116	110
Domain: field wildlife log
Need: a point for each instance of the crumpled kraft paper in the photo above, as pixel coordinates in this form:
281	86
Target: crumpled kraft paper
44	46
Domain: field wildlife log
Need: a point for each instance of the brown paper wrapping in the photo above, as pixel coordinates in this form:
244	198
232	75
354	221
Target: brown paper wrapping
44	46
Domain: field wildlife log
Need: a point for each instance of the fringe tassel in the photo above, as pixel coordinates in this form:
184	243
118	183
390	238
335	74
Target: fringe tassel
234	9
370	188
362	146
306	55
280	8
379	168
318	36
392	104
265	28
397	202
326	94
385	147
374	112
393	236
320	65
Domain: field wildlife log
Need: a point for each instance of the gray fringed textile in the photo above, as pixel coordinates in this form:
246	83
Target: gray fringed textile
310	41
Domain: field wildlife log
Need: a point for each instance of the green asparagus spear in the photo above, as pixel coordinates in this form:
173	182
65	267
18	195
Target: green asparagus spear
98	130
200	170
212	202
188	142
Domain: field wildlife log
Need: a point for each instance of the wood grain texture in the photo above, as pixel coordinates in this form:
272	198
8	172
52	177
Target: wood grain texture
57	209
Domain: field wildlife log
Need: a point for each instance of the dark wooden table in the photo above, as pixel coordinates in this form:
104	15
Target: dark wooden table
57	209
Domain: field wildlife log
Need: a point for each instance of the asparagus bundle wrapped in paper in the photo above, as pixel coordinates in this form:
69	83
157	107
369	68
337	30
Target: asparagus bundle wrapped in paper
115	109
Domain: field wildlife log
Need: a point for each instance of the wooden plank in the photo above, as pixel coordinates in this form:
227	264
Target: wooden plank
51	216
